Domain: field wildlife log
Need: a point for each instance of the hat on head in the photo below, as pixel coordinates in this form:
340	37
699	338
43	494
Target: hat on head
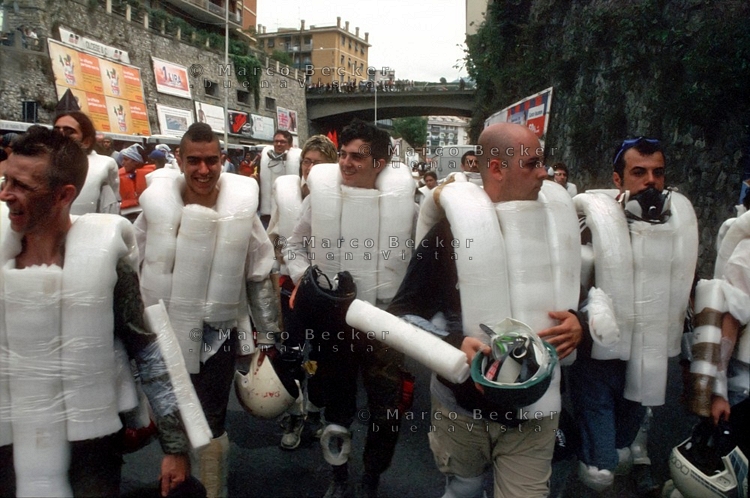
133	153
157	154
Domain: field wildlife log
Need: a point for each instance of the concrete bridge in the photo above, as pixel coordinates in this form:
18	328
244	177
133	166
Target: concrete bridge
328	110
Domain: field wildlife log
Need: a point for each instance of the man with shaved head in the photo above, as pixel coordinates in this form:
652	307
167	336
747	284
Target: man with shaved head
494	241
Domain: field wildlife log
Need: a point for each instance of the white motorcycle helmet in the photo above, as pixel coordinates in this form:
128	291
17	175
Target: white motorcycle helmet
261	391
702	466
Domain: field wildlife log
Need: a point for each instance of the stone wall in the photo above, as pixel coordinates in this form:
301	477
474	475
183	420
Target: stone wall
27	74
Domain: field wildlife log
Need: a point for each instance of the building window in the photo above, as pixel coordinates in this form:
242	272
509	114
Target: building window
343	40
342	60
211	88
270	104
270	43
243	97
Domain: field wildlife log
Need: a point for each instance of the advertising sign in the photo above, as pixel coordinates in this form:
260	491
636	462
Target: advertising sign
109	92
171	79
213	115
173	121
532	112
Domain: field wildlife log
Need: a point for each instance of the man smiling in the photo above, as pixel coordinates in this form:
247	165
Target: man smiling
205	225
360	204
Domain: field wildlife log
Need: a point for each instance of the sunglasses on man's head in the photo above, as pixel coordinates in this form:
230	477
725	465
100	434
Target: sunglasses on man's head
630	143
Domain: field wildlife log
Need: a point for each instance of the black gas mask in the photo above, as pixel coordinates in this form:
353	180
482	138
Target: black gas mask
648	205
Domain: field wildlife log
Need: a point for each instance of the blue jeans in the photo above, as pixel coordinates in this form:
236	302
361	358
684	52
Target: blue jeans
606	419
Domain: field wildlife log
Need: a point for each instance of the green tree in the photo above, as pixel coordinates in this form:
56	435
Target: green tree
282	57
412	129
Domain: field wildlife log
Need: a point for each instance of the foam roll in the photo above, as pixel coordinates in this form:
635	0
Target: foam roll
288	201
360	219
396	186
191	413
41	453
324	181
485	294
88	324
195	251
224	288
613	265
427	349
529	278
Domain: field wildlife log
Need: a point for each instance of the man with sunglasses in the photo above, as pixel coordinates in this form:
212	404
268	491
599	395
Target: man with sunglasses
205	253
346	223
644	238
491	256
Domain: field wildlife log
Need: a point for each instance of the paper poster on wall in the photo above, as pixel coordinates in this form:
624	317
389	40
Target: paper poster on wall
213	115
263	128
284	119
171	79
110	93
240	124
533	112
173	121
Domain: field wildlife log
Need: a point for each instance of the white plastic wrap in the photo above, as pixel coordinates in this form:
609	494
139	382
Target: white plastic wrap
424	347
710	305
62	377
193	419
613	266
88	199
271	170
739	230
364	231
195	257
287	196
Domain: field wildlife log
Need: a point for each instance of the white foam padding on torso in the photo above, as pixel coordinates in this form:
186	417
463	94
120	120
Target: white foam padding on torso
237	211
480	257
324	181
684	261
194	253
739	229
287	195
270	170
430	212
191	413
360	223
373	219
195	257
41	453
424	347
88	199
94	245
495	284
396	188
162	173
613	266
162	206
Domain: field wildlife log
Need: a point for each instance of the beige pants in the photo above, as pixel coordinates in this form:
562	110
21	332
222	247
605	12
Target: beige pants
521	456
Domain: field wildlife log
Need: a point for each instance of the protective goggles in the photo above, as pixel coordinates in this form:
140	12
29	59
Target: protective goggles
631	142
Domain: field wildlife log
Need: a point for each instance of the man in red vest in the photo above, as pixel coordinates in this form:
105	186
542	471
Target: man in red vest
132	180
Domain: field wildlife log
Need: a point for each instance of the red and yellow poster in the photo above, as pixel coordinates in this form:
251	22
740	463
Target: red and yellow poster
110	93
